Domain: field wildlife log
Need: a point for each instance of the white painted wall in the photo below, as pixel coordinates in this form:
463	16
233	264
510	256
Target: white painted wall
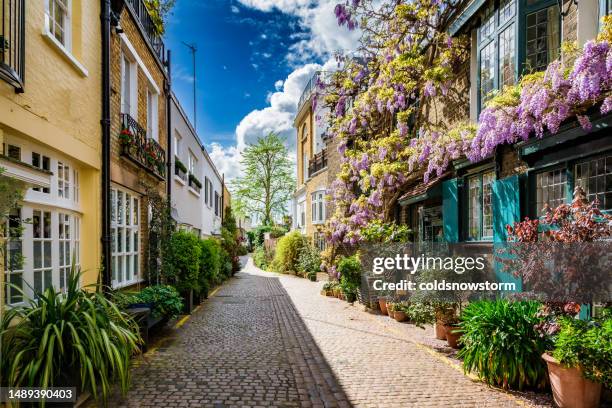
193	210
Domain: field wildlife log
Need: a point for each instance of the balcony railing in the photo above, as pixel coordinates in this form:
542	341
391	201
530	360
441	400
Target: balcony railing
317	163
140	149
144	18
12	43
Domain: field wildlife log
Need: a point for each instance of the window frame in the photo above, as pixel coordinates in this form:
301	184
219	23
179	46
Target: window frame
569	166
317	206
479	175
11	238
519	19
133	255
67	29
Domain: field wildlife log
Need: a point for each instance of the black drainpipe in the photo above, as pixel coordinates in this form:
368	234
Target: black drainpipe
105	122
169	128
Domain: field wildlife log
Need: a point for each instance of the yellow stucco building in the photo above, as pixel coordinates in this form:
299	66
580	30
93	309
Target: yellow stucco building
50	109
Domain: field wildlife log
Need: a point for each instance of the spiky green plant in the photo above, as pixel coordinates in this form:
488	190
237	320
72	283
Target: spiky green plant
77	338
501	345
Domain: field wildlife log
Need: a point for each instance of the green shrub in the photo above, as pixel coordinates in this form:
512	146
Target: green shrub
210	263
75	338
225	264
349	269
420	313
166	300
183	261
309	261
259	258
288	249
501	344
587	345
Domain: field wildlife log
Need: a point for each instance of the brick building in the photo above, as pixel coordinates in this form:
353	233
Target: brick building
138	103
473	202
310	200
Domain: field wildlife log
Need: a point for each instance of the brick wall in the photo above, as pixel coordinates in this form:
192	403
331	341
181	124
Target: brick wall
123	171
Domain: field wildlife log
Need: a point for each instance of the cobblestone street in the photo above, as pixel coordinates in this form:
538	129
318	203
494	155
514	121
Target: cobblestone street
272	340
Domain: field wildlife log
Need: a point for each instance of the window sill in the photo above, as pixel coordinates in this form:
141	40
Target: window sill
179	180
192	191
65	53
126	284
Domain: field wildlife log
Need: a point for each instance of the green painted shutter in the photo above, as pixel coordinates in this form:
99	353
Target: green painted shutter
450	210
506	211
506	206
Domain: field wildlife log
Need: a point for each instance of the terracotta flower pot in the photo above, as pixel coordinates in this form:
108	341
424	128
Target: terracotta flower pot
329	293
382	303
400	316
440	331
570	389
451	337
391	314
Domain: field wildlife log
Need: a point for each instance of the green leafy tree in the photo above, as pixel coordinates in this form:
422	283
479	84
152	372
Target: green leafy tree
267	183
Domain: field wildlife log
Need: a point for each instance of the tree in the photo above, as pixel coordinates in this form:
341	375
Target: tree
268	181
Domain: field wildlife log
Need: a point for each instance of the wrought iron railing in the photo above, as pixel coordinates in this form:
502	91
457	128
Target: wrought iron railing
148	25
12	43
317	163
141	149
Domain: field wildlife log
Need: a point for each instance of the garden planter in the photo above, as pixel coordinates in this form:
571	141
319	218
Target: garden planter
440	331
570	389
451	337
382	303
391	313
400	316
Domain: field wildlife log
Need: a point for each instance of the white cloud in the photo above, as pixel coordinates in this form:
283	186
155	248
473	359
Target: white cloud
286	6
235	9
320	37
226	159
278	116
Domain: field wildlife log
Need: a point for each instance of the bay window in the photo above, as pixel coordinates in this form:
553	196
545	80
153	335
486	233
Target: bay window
125	220
41	162
479	206
595	177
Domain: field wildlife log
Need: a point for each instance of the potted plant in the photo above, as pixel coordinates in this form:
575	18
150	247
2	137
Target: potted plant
328	289
452	331
399	313
382	303
580	362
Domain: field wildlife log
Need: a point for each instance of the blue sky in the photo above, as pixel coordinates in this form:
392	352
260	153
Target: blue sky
253	59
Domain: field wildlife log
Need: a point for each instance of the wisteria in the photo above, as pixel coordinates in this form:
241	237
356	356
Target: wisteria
386	105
